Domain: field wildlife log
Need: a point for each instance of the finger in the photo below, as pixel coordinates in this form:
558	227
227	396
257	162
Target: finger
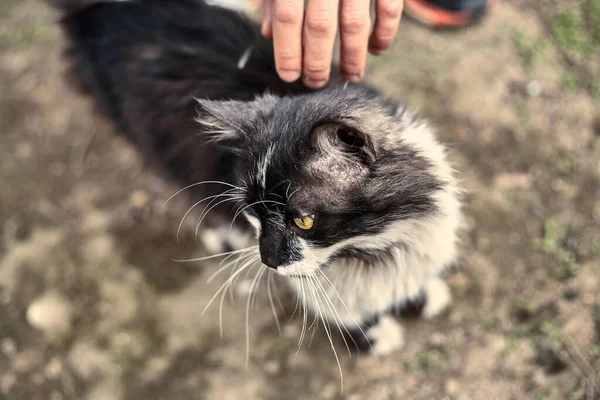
355	24
388	17
266	28
320	27
287	38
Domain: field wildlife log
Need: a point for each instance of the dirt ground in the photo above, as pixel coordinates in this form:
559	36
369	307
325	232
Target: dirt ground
92	306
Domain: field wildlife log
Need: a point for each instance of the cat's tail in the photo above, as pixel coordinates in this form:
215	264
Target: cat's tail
162	53
145	62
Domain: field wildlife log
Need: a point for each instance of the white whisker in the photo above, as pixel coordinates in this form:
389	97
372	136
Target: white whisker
335	314
203	183
293	193
238	212
233	263
205	213
247	259
274	202
276	293
304	316
214	255
275	316
231	255
254	294
194	206
230	279
298	300
248	319
328	332
345	307
317	304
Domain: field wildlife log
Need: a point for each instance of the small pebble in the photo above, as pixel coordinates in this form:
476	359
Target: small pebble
437	339
138	199
497	343
122	339
272	367
291	331
51	313
451	386
538	378
533	89
26	361
53	369
9	347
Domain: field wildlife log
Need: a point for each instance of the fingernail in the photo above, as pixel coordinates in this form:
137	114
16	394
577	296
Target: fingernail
377	51
264	30
314	83
353	77
289	75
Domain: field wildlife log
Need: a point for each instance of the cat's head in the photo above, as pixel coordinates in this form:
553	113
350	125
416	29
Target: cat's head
337	172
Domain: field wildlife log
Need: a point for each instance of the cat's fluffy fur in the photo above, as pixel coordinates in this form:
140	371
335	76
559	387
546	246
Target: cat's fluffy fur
383	197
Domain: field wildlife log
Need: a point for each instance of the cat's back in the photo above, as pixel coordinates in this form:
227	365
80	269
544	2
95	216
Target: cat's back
144	64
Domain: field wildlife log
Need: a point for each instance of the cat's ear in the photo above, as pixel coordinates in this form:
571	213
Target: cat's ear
230	120
345	141
220	119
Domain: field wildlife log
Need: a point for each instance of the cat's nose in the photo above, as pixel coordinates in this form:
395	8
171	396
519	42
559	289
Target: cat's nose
269	260
272	250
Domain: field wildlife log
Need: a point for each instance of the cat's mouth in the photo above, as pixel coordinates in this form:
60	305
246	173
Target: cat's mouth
301	271
289	272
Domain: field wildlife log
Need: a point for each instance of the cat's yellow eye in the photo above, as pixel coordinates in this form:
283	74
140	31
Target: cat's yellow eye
306	222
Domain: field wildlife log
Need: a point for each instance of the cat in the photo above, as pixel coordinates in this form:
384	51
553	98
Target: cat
351	197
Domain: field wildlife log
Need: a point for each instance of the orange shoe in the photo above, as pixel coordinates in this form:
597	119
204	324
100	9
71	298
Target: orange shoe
448	13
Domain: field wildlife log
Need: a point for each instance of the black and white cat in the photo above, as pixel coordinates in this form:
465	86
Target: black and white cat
351	197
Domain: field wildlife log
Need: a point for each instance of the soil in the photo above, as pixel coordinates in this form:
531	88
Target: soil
92	305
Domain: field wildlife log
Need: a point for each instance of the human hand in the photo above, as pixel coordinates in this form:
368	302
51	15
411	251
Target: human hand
303	42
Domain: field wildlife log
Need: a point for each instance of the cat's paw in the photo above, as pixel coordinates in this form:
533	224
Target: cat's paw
386	336
438	297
